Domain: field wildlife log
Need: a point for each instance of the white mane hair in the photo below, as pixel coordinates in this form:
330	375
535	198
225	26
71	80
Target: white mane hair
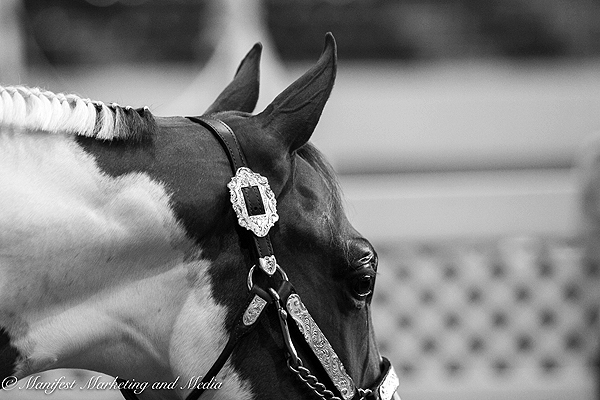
37	109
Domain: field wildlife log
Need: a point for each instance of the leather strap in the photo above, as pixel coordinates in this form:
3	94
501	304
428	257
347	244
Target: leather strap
262	245
227	138
240	329
254	203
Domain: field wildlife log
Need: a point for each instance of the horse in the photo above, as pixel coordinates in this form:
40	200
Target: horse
123	252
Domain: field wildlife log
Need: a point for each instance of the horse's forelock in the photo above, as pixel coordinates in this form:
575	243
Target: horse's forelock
36	109
316	160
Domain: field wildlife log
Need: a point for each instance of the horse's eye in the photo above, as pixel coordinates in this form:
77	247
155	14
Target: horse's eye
362	285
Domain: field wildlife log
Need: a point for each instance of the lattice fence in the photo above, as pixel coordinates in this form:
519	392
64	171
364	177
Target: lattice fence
520	309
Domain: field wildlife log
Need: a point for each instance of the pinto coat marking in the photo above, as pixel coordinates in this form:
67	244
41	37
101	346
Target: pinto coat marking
96	247
159	310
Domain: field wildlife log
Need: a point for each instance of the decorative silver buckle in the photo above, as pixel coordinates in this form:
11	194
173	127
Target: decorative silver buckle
258	224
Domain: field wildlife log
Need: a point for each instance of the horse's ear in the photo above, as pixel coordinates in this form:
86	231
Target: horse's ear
295	112
242	93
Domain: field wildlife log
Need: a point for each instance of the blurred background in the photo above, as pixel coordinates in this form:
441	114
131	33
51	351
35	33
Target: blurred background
457	128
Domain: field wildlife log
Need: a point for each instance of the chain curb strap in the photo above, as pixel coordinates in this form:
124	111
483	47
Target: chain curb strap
386	389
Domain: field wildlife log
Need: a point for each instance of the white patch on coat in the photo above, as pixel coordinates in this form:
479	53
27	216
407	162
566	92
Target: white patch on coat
198	339
93	272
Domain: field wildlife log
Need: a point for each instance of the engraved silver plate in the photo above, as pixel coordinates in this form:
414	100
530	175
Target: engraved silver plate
321	347
268	264
389	385
253	311
258	224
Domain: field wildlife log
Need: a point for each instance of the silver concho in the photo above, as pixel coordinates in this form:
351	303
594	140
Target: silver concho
321	347
253	311
258	224
387	390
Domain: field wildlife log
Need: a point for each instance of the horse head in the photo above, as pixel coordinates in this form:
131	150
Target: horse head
120	251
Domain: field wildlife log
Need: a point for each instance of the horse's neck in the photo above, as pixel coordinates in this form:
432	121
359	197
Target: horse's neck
99	271
80	250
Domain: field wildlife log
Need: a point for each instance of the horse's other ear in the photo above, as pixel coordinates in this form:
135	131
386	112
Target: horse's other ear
242	93
295	112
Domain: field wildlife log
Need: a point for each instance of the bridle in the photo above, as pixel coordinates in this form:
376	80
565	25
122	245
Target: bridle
255	206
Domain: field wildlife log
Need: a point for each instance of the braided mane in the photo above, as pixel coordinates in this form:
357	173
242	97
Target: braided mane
37	109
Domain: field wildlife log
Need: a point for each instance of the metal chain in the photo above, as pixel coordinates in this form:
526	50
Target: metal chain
320	389
312	382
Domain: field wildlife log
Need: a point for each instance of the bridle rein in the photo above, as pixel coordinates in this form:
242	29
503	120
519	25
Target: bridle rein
256	208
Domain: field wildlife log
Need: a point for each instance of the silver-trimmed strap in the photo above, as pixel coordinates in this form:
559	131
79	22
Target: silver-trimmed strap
253	201
321	347
253	310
